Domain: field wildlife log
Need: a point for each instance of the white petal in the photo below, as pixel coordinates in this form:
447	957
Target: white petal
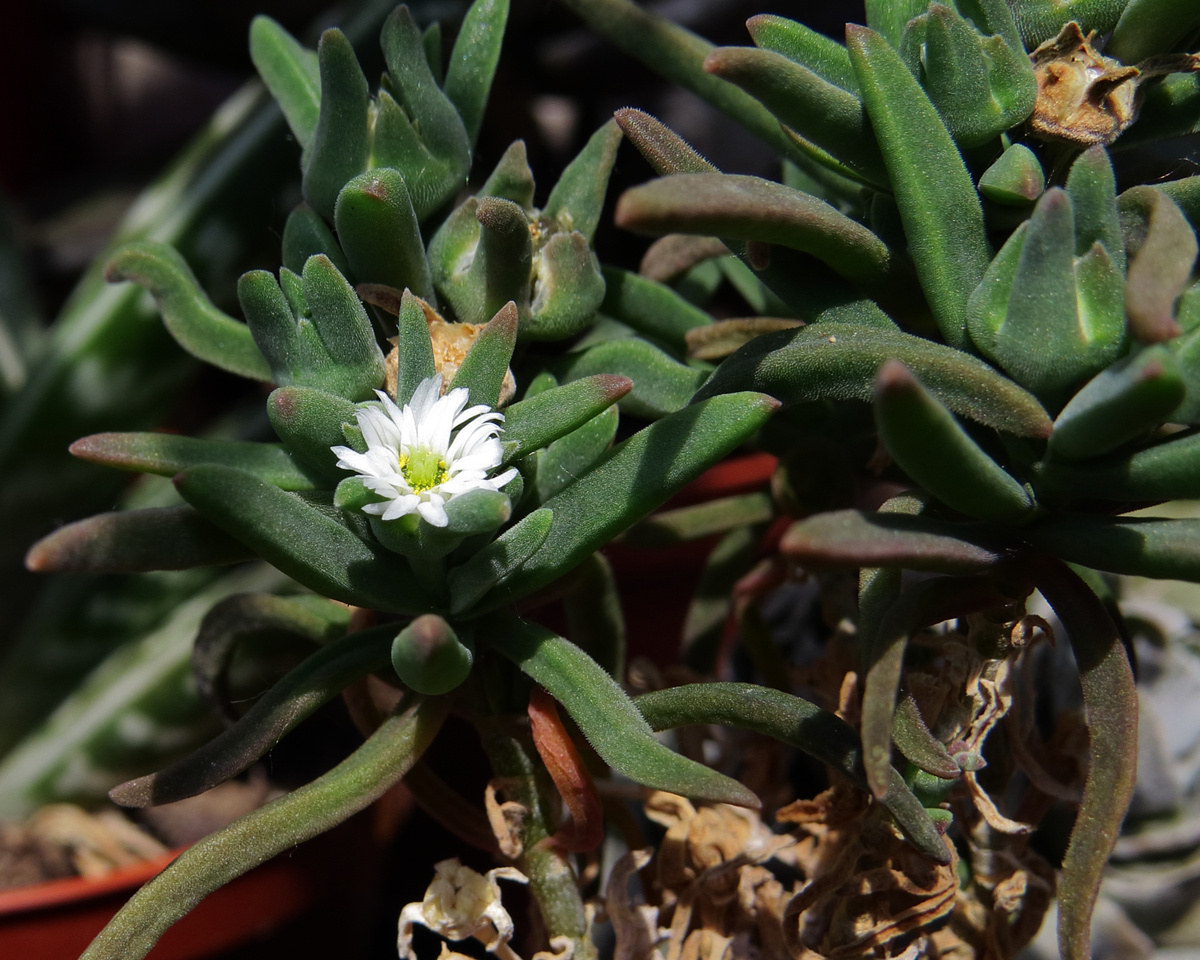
433	511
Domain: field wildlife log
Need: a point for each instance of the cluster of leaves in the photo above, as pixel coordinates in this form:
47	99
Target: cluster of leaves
949	230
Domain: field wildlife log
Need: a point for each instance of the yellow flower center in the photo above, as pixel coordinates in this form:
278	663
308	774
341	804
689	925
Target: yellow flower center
423	468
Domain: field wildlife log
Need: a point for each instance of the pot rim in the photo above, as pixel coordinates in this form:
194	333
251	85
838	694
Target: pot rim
53	893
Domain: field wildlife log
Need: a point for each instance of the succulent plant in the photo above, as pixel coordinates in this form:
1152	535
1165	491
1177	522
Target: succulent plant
950	233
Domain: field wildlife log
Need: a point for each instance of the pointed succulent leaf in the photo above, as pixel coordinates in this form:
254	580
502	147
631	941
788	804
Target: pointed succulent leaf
479	283
430	111
1185	192
826	58
1111	706
633	478
992	17
355	367
1121	403
820	362
431	42
911	736
316	681
512	179
921	605
750	208
1157	547
1039	20
132	541
568	286
1162	249
484	367
855	539
165	454
1167	470
378	229
473	62
339	145
291	349
305	234
661	384
578	197
1092	188
1186	348
1016	179
662	147
678	55
414	349
1049	319
301	540
309	422
942	216
290	72
934	450
497	562
817	110
797	722
606	716
539	420
569	457
700	520
652	309
889	17
355	783
980	85
188	314
428	656
1148	27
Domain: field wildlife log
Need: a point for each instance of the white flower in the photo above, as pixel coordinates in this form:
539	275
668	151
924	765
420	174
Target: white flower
432	450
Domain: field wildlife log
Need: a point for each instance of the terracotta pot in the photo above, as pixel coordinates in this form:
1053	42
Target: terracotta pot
309	901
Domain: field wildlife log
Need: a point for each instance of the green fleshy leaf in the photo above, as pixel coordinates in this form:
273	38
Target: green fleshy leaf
498	561
188	314
309	422
291	74
578	198
1185	192
512	179
473	62
1039	20
817	732
606	716
1110	704
661	385
933	448
700	520
132	541
302	541
652	309
388	754
635	477
1167	470
429	658
678	55
1016	179
1119	404
355	366
1148	27
485	366
431	42
435	167
569	457
1162	250
165	454
594	618
478	282
912	738
822	113
339	147
1157	547
316	681
378	230
851	538
980	85
568	289
822	362
1092	187
826	58
934	191
749	208
542	418
414	349
889	17
305	235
